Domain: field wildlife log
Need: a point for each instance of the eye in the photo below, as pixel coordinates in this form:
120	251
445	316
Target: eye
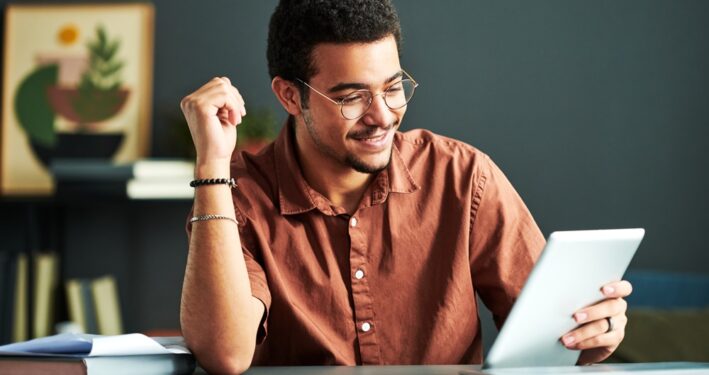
395	88
354	98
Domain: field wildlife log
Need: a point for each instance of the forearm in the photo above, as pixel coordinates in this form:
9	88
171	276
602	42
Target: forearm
219	315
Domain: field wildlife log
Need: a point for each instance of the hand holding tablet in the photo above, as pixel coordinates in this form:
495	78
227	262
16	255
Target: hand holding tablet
602	325
564	290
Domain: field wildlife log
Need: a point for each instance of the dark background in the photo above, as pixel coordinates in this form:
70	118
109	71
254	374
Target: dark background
597	111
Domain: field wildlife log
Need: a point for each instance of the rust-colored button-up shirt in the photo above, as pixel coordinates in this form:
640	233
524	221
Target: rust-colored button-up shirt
394	283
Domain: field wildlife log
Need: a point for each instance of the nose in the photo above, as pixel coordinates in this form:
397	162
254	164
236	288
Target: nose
378	114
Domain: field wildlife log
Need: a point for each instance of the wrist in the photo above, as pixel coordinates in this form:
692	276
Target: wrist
212	169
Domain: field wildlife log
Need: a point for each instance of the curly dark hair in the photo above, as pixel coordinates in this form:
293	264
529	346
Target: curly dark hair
297	26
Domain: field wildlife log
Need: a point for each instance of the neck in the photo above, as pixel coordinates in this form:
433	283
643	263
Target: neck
341	184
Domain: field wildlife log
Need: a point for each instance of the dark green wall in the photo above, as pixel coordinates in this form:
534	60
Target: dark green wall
596	110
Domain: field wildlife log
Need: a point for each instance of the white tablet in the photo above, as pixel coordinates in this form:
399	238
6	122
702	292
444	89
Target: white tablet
567	277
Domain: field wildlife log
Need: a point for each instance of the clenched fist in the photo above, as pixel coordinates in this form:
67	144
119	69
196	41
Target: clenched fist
212	113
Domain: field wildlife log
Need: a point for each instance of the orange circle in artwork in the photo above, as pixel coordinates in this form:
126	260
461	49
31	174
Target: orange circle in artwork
68	34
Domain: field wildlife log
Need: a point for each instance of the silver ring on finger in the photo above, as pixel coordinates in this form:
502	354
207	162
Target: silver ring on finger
611	326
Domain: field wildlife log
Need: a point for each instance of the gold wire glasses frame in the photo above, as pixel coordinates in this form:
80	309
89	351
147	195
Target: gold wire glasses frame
355	104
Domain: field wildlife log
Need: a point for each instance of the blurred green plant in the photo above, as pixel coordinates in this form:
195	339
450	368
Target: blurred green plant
99	90
258	125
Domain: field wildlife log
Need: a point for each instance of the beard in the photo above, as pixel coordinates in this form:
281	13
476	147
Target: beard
360	166
350	159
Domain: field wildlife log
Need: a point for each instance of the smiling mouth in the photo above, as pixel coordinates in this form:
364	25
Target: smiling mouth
372	138
372	134
374	143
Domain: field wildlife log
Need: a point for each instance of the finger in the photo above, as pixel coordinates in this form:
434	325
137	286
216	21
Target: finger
240	99
593	329
617	289
241	105
223	116
227	117
234	117
606	340
212	97
212	83
224	105
608	307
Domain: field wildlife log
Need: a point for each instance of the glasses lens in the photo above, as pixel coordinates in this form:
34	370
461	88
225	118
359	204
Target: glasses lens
399	94
355	104
395	97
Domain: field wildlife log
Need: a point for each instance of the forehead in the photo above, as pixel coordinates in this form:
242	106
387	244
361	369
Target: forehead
368	63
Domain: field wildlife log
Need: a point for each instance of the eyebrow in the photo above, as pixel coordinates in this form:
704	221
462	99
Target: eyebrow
361	86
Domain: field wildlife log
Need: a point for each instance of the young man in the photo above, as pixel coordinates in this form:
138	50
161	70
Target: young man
347	241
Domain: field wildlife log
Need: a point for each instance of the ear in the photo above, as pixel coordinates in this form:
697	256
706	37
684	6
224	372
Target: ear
288	94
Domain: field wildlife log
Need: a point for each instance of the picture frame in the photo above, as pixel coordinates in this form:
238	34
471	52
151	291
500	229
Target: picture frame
77	83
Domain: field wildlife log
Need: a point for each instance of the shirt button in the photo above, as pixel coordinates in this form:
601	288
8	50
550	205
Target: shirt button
359	274
353	222
366	327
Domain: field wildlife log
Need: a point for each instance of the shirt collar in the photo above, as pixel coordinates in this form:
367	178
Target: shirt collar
296	196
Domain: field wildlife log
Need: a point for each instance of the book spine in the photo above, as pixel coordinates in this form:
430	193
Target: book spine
46	277
6	296
75	303
19	325
108	311
89	306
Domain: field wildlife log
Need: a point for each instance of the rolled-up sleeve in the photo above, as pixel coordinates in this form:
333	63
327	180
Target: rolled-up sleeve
257	276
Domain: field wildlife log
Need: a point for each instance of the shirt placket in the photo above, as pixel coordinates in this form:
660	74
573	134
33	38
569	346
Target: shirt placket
364	313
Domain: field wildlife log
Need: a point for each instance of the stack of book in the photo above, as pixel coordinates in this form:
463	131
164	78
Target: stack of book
143	179
93	354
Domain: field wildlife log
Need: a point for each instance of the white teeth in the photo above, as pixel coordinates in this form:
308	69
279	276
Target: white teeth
373	138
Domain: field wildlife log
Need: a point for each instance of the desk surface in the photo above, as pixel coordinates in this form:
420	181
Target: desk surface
683	368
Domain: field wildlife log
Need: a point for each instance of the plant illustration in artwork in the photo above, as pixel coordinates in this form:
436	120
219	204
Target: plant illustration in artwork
99	95
85	89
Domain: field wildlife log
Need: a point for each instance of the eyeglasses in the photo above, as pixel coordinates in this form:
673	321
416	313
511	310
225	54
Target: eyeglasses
355	104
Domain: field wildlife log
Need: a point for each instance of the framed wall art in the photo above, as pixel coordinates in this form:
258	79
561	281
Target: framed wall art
77	83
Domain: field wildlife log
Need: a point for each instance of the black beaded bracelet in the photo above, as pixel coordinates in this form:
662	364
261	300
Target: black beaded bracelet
214	181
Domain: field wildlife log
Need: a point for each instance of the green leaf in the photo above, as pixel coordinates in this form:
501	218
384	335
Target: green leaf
111	49
101	32
110	68
93	47
32	107
104	68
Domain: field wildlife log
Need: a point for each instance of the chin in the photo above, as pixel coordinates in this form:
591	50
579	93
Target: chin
371	167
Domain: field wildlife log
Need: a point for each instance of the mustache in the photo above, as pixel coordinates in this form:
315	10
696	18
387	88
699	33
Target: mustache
371	131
